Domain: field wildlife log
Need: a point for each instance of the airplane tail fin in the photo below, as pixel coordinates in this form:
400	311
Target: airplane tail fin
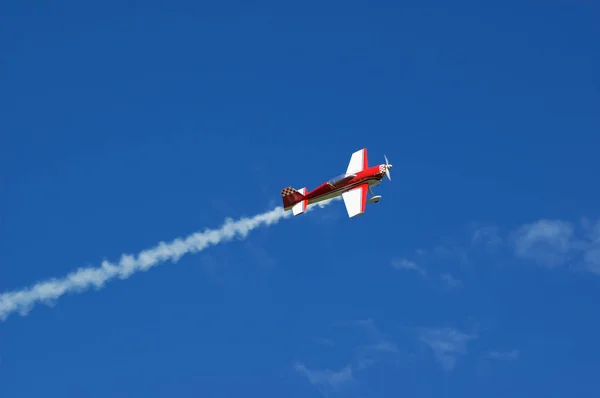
294	199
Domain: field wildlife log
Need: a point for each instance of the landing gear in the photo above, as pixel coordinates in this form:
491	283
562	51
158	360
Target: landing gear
375	198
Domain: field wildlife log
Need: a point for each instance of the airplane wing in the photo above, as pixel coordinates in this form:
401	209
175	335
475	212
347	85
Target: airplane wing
356	200
358	162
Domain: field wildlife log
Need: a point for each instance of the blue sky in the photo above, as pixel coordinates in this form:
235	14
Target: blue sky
477	274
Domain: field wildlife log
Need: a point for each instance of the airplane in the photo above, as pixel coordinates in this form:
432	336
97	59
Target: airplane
352	185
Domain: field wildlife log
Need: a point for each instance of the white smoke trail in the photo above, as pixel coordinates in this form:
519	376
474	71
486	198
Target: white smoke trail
23	300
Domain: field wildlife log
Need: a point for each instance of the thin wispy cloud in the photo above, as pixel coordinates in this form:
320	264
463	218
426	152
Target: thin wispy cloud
451	281
504	355
407	265
545	242
447	344
379	343
22	301
377	349
487	236
325	341
327	379
591	247
554	243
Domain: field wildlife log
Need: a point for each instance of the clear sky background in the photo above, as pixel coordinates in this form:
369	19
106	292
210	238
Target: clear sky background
477	274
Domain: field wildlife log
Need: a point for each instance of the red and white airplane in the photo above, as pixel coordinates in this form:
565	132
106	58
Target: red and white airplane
352	185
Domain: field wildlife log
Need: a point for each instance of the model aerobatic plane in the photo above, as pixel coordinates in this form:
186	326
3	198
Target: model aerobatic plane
352	185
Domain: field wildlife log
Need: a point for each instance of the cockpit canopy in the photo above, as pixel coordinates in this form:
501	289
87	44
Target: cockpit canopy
339	178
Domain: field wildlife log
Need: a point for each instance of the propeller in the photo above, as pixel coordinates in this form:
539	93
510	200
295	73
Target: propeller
388	166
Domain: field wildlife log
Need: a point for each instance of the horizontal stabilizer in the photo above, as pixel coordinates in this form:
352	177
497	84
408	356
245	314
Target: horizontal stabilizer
291	197
300	207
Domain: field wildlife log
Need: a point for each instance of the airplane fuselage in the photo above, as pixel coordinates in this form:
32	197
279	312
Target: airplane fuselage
329	189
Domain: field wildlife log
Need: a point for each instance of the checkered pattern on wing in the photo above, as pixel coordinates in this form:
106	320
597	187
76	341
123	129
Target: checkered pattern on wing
287	191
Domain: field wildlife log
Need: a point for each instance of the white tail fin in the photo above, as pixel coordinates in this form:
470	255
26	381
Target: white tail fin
300	207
